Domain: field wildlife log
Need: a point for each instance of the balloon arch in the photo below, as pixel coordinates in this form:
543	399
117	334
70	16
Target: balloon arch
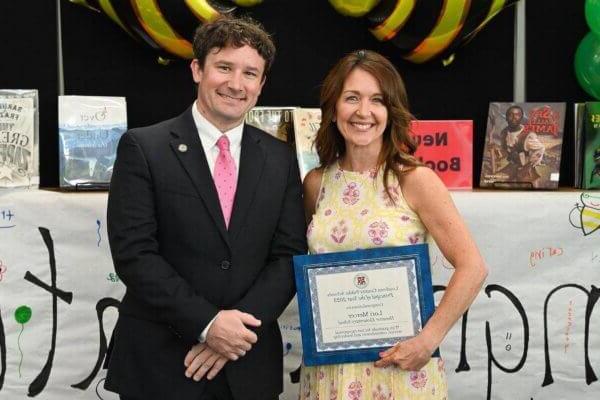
419	30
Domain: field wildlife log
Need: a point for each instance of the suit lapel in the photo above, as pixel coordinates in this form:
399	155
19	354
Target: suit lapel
188	149
252	160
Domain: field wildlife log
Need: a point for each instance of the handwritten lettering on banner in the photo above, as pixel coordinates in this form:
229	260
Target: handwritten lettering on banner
532	333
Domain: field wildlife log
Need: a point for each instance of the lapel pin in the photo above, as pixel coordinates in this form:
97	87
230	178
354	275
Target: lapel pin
182	148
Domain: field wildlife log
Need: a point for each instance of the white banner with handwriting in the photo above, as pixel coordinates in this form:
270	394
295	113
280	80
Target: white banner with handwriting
532	333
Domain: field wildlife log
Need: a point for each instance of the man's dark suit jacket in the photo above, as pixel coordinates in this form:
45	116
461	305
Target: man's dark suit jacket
181	265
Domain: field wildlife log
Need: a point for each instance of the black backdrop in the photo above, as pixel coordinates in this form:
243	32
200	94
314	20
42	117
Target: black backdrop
101	59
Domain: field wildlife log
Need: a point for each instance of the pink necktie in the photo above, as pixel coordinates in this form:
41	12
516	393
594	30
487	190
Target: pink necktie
225	177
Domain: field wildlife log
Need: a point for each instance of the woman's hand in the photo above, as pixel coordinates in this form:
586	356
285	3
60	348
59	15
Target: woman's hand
409	355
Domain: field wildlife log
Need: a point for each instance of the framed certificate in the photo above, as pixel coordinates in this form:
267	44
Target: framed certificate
355	304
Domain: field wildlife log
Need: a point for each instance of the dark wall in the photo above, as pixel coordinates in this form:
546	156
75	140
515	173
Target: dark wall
29	61
550	55
101	59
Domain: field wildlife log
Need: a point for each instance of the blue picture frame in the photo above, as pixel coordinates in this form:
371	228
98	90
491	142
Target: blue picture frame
415	258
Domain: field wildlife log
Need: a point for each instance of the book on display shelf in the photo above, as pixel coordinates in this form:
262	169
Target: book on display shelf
578	132
276	121
590	177
306	124
523	146
19	138
447	148
89	129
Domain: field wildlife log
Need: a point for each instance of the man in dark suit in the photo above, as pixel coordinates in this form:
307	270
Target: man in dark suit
204	215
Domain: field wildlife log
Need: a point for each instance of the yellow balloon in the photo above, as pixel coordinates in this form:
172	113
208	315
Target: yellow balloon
247	3
353	8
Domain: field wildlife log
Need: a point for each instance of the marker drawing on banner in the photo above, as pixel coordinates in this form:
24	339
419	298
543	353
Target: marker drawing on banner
569	325
98	386
101	307
586	216
287	346
2	352
6	218
22	316
98	227
593	296
543	253
3	270
39	383
441	260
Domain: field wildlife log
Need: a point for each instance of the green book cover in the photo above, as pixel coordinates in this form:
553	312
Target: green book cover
591	148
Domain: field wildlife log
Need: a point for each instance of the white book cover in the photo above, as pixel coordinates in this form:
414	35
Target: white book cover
89	131
306	124
19	162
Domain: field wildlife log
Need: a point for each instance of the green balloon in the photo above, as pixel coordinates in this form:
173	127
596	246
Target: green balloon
592	15
587	64
23	314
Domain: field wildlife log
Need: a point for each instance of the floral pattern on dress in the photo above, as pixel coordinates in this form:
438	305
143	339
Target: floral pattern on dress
381	392
414	238
354	390
378	231
351	194
305	392
332	391
441	365
391	199
339	232
418	379
321	195
309	229
338	225
404	219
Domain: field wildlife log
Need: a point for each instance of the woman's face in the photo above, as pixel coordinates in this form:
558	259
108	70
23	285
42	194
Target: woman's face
360	112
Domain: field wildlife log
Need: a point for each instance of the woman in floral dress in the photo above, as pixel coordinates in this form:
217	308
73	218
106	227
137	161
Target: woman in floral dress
371	192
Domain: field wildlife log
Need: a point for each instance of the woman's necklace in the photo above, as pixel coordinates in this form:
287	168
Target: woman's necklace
371	171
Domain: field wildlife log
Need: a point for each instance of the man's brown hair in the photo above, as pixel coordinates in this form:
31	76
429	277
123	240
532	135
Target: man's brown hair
227	31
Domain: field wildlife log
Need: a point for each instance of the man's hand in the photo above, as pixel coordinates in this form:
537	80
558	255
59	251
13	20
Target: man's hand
201	360
229	336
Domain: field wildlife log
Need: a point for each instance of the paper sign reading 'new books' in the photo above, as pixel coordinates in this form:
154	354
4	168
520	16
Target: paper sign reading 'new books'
447	148
523	146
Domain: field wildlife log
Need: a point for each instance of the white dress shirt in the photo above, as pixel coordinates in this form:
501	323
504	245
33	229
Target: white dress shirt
209	134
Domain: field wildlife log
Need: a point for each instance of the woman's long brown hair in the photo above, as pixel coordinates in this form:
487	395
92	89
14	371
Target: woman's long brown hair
398	146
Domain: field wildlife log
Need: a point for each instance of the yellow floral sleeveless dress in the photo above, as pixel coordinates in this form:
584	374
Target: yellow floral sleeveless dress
353	211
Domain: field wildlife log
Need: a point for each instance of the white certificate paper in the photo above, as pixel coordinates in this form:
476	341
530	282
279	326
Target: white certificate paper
364	305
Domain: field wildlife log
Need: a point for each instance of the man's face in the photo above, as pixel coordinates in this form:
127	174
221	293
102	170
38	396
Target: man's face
514	117
229	84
